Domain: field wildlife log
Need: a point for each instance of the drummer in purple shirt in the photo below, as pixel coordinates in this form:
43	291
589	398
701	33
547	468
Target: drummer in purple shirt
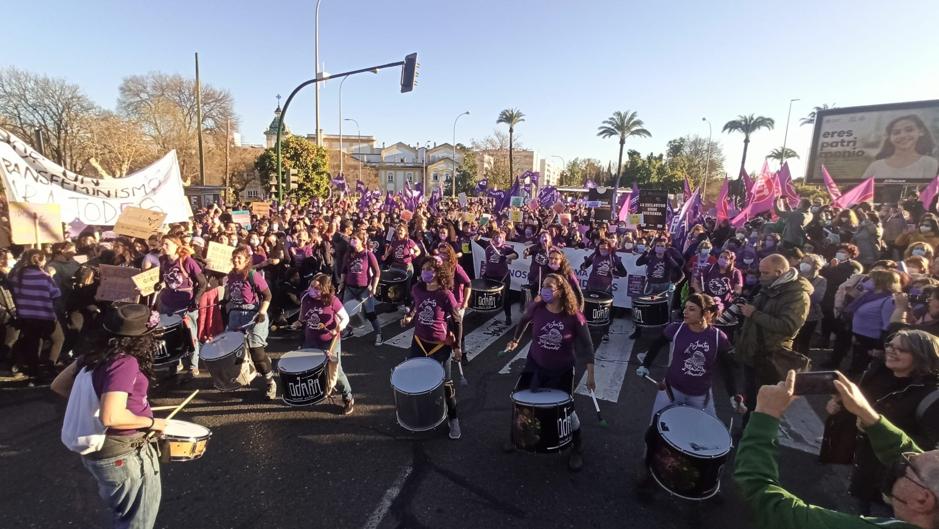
499	255
323	318
183	286
247	299
721	280
434	308
604	265
359	279
462	287
559	337
558	264
400	254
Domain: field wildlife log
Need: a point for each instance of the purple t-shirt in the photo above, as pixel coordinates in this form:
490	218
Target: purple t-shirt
657	269
431	311
496	266
314	312
722	284
180	287
693	357
539	266
401	251
123	374
357	268
552	344
240	291
602	270
460	279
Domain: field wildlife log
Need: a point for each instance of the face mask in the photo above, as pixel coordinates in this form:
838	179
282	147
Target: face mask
748	261
918	251
628	246
547	295
805	268
641	248
604	253
427	276
314	292
553	266
722	262
442	236
544	241
815	209
704	252
621	229
925	229
659	250
751	280
841	257
769	244
498	241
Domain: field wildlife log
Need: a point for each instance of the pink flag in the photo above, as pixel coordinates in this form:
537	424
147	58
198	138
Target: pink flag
747	182
833	190
624	211
763	196
863	192
686	190
784	178
926	196
722	201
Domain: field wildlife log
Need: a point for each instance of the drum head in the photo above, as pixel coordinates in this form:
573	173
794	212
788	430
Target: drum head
222	345
693	431
301	361
185	429
486	285
597	296
393	276
544	397
417	375
169	320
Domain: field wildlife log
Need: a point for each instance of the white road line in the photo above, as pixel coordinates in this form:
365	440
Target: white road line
486	334
611	364
382	509
521	355
402	340
801	428
383	319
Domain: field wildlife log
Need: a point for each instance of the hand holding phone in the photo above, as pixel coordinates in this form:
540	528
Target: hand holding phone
815	383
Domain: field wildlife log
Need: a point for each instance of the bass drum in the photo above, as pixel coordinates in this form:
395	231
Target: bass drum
541	420
597	306
651	311
686	449
171	340
487	295
391	286
226	359
419	394
303	376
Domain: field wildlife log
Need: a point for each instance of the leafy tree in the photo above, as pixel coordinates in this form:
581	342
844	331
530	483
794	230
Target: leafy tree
492	158
467	171
116	147
622	125
579	170
810	191
810	118
511	117
781	154
303	155
747	125
687	157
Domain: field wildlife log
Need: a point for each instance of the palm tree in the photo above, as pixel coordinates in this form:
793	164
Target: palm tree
624	125
780	154
748	124
810	119
511	117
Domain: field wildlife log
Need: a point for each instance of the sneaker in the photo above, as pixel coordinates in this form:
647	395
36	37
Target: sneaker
271	392
575	461
378	339
347	334
606	338
455	432
508	322
348	407
195	371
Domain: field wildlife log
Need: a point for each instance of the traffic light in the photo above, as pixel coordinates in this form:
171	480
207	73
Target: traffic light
294	179
409	73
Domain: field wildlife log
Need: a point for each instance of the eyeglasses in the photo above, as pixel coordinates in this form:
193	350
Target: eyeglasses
898	472
897	349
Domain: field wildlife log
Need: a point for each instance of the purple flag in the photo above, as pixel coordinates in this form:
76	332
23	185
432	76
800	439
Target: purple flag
360	187
747	181
833	190
863	192
389	202
507	198
434	200
762	197
686	190
927	195
548	196
784	179
481	186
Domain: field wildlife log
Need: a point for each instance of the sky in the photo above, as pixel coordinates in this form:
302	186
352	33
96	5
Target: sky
566	65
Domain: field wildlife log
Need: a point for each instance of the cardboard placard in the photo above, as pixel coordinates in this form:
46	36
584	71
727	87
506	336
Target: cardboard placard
515	215
653	206
117	283
463	200
635	219
484	219
35	223
242	217
534	205
406	215
146	281
635	285
517	202
218	257
565	219
261	209
139	223
559	207
390	235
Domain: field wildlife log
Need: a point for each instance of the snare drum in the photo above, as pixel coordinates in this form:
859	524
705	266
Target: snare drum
419	394
651	311
303	376
171	340
541	420
183	441
391	286
487	295
597	305
686	449
225	358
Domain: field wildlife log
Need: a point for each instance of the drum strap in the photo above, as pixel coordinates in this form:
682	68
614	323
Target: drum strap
424	349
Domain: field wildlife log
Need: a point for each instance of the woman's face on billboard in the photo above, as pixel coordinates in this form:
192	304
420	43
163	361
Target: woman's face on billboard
904	134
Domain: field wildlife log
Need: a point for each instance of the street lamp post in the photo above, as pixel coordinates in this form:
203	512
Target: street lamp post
340	124
453	172
786	134
358	145
316	70
707	163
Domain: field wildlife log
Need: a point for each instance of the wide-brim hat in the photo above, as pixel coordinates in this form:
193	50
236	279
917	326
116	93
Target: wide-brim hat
129	320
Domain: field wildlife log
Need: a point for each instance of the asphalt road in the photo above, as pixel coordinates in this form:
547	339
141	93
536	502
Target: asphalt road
270	465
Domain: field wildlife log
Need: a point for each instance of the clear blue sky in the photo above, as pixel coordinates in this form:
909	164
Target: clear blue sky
566	65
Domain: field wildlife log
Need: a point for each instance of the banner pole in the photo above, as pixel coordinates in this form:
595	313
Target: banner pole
36	229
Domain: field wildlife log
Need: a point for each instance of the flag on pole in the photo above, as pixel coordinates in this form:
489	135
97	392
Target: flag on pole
686	190
762	198
747	181
784	179
548	196
507	197
686	215
927	195
435	196
630	203
863	192
722	212
833	190
481	186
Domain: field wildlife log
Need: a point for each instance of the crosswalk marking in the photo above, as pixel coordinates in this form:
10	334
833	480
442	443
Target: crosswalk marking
611	363
383	319
520	355
402	340
485	335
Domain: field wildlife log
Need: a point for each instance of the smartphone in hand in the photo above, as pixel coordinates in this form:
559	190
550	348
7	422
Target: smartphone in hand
815	383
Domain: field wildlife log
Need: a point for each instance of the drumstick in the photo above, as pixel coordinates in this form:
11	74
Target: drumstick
660	385
463	381
175	411
597	408
521	335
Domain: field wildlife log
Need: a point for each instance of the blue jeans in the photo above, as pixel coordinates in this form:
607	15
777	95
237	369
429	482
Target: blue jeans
256	333
342	381
130	486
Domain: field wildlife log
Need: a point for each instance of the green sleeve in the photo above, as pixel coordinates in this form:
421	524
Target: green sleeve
757	477
889	442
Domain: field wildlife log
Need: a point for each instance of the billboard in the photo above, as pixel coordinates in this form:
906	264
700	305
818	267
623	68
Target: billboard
895	143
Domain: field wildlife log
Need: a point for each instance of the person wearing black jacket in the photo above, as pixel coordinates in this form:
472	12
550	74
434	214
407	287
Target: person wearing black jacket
837	272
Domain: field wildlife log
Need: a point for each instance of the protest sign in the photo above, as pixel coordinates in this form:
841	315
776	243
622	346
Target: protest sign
559	207
138	222
517	202
634	219
565	219
533	205
515	215
261	209
146	281
406	215
463	200
653	206
117	283
242	217
218	257
35	223
635	285
484	219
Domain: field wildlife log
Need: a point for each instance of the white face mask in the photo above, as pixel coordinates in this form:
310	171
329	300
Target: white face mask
841	256
805	268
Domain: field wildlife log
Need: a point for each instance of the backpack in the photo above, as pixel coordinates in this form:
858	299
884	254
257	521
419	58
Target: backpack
82	430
